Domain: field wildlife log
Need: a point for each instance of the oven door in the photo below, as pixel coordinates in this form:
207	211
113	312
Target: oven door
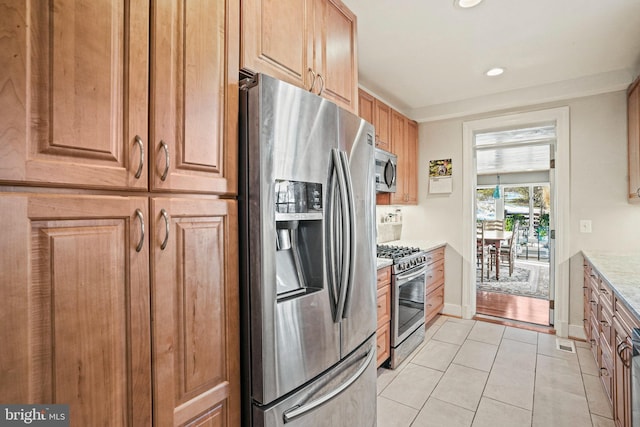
407	312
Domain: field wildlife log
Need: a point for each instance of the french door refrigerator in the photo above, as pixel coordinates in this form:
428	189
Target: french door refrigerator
308	259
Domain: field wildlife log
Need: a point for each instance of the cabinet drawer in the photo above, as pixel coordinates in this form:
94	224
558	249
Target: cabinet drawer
434	303
435	277
595	341
384	276
605	294
383	342
435	255
384	305
606	326
606	373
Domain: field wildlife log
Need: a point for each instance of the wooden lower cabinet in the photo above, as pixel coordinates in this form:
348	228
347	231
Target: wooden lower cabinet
608	326
195	311
82	279
434	300
383	331
75	319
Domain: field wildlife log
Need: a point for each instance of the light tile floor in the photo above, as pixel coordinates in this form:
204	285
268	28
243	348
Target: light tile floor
474	373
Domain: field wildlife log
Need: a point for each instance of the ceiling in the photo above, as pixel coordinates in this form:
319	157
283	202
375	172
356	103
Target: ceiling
427	58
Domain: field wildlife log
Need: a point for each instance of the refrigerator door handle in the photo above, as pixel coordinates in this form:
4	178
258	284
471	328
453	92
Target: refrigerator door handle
351	237
298	411
346	233
331	231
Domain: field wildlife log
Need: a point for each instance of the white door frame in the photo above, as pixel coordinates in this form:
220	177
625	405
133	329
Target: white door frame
559	116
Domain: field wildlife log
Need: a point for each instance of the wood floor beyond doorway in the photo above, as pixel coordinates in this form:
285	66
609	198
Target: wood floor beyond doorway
523	309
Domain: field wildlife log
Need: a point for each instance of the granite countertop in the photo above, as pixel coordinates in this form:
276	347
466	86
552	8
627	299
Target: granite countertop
383	262
621	272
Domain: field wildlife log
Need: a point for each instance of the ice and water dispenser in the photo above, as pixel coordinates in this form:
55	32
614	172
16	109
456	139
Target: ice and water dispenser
298	215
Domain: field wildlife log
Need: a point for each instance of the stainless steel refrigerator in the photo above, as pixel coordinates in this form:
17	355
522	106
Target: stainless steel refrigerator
307	203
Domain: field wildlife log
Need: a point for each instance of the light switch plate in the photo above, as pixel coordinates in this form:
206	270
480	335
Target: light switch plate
585	226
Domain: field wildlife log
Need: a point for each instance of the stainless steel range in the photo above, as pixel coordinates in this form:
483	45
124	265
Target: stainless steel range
408	282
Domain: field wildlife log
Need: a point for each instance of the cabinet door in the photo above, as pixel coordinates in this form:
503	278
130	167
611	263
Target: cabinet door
411	149
195	311
276	39
634	142
622	379
398	135
194	96
382	114
75	318
365	106
334	53
74	97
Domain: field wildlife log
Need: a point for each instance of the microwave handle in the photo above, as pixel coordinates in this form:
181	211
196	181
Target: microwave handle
389	164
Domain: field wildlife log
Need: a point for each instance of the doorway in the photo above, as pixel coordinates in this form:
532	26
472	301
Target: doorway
558	180
522	292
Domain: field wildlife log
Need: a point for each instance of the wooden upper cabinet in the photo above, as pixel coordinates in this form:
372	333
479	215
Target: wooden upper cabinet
404	139
335	59
74	93
276	39
411	151
76	104
365	106
634	141
382	117
377	113
194	96
308	43
76	319
195	310
398	135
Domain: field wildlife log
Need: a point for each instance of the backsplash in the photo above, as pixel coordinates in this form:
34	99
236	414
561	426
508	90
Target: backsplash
388	223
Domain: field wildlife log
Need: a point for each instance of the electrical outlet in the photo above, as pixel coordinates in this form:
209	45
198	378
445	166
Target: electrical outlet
585	226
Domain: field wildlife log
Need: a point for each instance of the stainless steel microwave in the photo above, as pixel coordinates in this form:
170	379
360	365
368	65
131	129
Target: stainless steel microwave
386	166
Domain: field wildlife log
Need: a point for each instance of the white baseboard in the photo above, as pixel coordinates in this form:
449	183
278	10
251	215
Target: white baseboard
452	310
577	331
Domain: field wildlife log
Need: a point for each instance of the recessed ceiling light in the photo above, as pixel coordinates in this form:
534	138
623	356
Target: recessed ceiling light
466	4
495	72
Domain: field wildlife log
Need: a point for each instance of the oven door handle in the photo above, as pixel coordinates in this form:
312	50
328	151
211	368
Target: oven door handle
410	275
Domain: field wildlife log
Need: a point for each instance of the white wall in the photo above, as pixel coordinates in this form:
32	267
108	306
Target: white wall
598	189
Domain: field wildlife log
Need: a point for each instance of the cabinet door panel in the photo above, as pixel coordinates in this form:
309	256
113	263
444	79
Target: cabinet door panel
82	304
412	162
383	125
634	143
275	39
78	78
335	55
365	106
196	346
398	136
194	96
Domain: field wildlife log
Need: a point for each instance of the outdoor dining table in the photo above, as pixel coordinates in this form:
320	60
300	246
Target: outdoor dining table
494	237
